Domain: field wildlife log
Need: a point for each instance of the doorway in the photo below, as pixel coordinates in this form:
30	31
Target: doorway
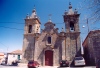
48	58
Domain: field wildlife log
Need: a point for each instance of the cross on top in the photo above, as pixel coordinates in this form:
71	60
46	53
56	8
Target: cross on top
34	6
50	16
69	3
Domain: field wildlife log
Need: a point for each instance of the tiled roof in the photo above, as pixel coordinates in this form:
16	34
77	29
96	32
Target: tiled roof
1	54
90	33
16	52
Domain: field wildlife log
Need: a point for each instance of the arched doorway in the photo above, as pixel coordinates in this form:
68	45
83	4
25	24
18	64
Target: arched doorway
48	58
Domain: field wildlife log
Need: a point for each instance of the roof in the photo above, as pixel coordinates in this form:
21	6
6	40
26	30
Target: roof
48	23
1	54
16	52
70	12
90	34
33	16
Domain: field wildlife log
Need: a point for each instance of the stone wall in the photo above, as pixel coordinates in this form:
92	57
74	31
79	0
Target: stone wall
92	47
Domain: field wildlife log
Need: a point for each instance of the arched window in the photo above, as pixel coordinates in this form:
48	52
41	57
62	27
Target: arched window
72	28
49	40
30	29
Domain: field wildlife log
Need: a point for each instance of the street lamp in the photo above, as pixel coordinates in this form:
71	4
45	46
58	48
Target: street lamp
82	50
87	24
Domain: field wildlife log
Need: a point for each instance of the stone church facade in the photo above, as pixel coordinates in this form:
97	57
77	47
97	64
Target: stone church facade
49	46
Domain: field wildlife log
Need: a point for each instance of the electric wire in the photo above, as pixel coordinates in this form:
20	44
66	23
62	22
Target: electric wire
11	28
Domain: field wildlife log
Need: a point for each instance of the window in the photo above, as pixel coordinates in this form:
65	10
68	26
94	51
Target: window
18	57
72	26
49	40
78	58
13	55
30	29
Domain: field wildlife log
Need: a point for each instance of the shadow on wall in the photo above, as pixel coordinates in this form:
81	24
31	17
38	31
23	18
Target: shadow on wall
28	52
90	61
58	44
77	55
41	57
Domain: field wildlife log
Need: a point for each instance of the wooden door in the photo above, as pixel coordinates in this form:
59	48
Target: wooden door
48	58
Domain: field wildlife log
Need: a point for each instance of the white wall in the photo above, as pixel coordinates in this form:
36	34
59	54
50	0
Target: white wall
12	58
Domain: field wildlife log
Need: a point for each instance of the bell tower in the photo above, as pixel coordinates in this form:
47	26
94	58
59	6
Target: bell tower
32	27
32	23
73	43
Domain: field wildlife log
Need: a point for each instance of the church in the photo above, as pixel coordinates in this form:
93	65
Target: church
48	46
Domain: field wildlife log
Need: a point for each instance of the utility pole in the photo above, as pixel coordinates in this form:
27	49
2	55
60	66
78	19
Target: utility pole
87	25
82	50
65	46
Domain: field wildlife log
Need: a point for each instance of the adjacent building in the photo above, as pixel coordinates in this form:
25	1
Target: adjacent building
49	46
92	47
2	56
13	56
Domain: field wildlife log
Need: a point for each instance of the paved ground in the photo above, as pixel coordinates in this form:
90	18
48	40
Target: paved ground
1	66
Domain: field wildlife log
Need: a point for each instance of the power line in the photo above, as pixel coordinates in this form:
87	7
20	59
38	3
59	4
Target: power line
24	23
23	29
11	28
12	22
20	29
5	46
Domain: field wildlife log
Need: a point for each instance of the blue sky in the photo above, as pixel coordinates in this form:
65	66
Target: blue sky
13	13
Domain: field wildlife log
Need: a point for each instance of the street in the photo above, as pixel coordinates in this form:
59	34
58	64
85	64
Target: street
1	66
